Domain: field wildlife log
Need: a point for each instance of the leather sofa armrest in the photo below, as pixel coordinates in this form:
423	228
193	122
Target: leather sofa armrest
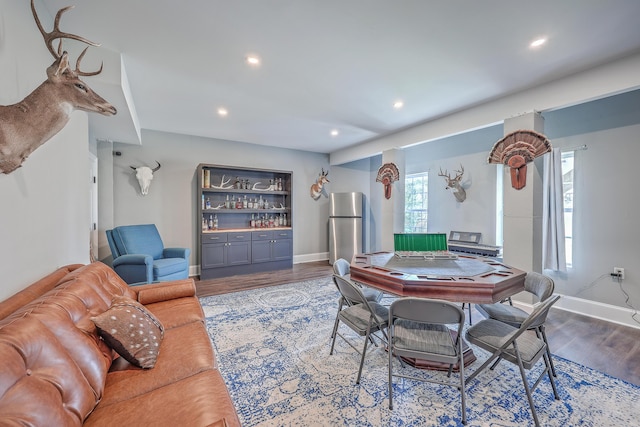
164	291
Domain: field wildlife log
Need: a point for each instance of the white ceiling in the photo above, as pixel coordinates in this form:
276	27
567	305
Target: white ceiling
335	64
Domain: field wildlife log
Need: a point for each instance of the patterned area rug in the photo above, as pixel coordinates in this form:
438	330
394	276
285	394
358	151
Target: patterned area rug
272	346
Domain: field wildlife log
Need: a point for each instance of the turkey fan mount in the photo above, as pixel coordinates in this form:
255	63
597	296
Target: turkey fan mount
387	175
516	150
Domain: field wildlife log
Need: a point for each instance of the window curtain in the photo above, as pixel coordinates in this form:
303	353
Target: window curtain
553	213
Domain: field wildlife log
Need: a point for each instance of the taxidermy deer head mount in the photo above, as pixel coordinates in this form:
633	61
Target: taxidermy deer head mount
44	112
144	175
454	183
316	188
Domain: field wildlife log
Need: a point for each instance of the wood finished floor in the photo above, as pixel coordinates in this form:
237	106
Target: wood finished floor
604	346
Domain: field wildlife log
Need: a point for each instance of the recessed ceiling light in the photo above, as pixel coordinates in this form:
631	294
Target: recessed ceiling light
253	60
538	42
222	112
398	104
335	132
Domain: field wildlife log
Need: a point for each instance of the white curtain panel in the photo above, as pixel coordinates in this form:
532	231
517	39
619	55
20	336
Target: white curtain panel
553	213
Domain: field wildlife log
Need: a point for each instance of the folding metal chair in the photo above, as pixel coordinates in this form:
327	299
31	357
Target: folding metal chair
418	329
362	316
540	286
341	267
512	344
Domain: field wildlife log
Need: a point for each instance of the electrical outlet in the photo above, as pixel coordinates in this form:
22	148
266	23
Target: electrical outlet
618	271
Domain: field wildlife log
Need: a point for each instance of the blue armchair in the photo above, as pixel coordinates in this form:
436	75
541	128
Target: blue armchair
140	257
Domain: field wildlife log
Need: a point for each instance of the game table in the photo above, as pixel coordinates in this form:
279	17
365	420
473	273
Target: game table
465	279
456	278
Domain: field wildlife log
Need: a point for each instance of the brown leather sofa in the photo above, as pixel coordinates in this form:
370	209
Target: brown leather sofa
55	370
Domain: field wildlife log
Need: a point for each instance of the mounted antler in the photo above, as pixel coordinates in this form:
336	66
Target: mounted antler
56	34
454	183
44	112
224	185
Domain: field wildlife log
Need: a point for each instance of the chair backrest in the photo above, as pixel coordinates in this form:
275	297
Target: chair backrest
538	284
341	267
349	291
135	239
115	252
426	311
537	317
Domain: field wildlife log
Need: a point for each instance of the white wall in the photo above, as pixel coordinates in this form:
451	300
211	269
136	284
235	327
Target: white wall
172	200
606	206
44	220
478	212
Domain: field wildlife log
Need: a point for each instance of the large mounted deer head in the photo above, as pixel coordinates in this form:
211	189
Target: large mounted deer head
454	183
44	112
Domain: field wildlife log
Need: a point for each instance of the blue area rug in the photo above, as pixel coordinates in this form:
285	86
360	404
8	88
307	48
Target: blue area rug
272	347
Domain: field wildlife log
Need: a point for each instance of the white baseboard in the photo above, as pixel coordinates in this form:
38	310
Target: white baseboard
194	270
321	256
597	310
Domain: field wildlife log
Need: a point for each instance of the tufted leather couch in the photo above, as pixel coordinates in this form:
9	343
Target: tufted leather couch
56	371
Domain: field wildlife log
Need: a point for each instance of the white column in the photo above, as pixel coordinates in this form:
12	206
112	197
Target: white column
392	209
522	226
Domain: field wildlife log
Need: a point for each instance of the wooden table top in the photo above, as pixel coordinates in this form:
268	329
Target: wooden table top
466	279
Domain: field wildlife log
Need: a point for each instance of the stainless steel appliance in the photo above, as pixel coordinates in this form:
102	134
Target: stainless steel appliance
345	225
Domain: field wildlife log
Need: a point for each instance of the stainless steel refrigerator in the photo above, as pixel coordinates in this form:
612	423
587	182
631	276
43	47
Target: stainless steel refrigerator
345	225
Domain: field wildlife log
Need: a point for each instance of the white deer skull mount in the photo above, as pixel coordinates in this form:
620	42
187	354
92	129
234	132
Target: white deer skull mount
144	175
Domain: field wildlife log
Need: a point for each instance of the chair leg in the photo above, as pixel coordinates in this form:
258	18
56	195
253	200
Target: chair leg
341	302
364	353
390	351
541	334
463	400
495	363
526	387
334	335
549	373
481	368
333	332
469	308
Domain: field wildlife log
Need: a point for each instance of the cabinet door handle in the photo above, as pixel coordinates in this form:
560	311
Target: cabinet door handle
214	238
283	234
239	237
262	235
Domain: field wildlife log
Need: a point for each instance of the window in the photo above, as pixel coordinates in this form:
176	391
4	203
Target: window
416	203
567	193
